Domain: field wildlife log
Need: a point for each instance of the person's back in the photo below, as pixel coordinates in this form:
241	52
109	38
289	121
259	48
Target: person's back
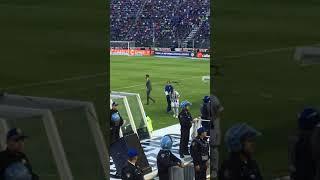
131	171
240	141
204	111
236	169
303	160
166	160
316	149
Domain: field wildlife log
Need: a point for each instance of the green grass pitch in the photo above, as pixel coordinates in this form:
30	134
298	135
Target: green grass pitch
46	41
128	75
267	89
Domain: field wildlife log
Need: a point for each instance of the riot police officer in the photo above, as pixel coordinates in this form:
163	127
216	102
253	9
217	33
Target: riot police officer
240	164
166	159
206	113
185	120
14	164
304	161
131	171
200	154
115	123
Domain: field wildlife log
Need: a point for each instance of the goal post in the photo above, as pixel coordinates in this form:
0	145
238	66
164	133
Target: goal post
72	123
121	47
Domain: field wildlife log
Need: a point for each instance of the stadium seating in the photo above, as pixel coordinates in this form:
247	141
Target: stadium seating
169	21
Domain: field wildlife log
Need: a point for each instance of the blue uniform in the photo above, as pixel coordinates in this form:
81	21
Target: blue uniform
165	160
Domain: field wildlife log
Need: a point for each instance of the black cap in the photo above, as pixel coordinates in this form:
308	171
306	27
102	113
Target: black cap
15	134
114	103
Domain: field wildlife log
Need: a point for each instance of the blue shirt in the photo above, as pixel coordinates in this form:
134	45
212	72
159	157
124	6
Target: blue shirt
168	88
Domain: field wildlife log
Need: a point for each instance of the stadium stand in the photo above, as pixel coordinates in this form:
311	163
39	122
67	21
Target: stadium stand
161	23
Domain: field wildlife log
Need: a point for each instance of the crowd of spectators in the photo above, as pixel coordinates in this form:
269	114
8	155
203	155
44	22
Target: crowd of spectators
163	23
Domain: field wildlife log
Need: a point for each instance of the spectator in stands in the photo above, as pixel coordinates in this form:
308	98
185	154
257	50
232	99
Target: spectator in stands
304	161
166	159
170	21
14	164
240	165
168	89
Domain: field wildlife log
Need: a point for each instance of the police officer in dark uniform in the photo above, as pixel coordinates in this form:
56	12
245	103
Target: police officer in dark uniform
14	155
131	171
200	154
166	159
304	160
240	165
115	123
206	113
185	120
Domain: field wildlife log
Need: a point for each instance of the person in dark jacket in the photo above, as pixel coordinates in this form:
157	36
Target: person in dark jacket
199	150
165	158
304	162
131	171
13	157
316	149
186	121
240	165
206	113
149	89
116	122
168	90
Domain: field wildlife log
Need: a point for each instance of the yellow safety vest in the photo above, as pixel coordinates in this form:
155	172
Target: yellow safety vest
149	123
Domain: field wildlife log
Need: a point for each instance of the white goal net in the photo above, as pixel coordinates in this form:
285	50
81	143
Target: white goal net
65	142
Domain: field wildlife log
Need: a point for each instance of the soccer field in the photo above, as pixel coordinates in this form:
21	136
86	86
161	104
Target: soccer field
55	49
262	84
128	75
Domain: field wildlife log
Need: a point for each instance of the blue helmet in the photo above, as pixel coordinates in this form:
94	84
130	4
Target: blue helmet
185	103
132	152
115	117
236	134
308	118
201	130
166	142
17	171
206	99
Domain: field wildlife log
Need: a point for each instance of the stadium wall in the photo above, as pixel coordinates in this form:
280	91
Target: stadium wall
162	52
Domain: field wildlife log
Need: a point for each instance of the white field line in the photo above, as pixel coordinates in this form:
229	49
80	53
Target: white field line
157	83
50	82
266	51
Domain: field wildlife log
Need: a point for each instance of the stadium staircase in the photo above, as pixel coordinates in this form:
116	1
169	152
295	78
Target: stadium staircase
137	16
194	31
